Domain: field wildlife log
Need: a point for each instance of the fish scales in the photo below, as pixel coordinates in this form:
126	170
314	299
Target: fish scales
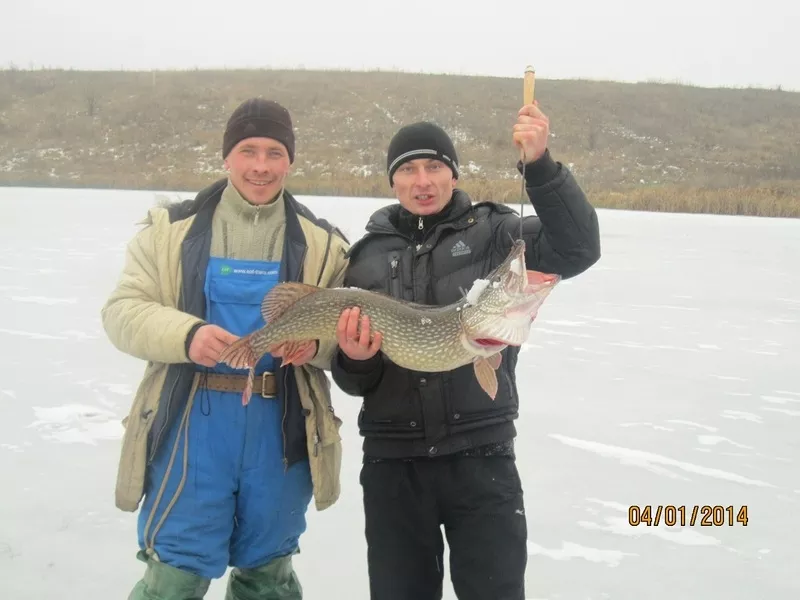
416	336
496	313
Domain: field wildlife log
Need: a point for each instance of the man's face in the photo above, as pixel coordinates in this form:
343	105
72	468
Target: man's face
424	185
258	167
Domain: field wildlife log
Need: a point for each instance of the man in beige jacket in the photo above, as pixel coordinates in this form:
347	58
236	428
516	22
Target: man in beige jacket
224	484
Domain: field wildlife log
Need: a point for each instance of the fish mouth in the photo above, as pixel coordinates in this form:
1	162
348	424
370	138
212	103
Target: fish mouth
483	346
536	289
488	342
536	280
521	281
511	326
508	302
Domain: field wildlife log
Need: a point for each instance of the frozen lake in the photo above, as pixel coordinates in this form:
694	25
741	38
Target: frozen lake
668	374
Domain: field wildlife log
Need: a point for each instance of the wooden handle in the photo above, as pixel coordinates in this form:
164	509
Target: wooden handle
530	80
527	96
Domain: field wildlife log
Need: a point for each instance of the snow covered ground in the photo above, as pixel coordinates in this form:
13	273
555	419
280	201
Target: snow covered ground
669	374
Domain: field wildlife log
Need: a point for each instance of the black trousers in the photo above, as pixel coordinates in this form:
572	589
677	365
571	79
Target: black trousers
479	502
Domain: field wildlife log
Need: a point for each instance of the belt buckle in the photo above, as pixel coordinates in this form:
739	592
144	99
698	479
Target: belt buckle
264	384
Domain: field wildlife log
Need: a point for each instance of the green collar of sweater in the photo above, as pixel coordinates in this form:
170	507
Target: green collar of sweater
247	231
234	208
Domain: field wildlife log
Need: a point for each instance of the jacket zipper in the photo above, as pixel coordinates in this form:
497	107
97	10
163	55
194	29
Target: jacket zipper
394	285
283	421
317	436
286	396
160	432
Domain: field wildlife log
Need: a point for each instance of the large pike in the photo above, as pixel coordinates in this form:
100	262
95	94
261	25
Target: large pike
496	312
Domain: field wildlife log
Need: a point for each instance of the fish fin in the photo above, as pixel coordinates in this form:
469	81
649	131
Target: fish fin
486	376
503	331
494	360
248	387
292	350
282	296
239	355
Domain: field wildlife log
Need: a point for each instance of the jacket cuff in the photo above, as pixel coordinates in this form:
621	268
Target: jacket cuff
359	367
540	171
190	336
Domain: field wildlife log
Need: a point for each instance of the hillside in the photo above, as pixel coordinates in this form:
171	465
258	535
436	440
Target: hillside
648	145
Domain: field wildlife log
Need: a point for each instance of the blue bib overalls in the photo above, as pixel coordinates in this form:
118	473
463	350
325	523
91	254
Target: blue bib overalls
227	496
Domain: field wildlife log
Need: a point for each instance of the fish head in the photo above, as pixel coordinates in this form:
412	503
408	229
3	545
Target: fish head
500	308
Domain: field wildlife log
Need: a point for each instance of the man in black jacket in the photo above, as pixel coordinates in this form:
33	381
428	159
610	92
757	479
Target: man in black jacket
437	450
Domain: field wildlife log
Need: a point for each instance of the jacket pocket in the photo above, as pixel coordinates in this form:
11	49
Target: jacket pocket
393	406
469	406
227	298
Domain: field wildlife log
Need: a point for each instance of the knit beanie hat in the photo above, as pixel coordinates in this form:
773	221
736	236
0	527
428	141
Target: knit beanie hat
259	118
421	140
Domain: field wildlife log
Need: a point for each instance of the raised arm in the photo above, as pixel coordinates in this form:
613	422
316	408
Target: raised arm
564	236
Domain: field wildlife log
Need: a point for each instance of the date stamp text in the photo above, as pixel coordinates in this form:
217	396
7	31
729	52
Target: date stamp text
682	515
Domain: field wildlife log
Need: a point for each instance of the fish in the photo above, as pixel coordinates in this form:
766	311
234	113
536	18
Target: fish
496	312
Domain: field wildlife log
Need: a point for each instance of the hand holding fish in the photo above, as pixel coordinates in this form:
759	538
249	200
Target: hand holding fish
208	343
355	344
496	312
531	132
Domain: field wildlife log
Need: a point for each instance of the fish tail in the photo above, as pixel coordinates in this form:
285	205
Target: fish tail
240	354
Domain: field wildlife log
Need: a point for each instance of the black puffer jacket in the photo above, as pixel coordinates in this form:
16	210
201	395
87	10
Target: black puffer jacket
408	413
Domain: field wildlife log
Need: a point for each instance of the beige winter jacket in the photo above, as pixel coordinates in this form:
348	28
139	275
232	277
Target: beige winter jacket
142	318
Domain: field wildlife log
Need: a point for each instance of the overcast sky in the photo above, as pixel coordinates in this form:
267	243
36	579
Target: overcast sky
701	42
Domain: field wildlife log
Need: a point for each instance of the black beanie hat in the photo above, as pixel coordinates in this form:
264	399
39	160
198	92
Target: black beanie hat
421	140
259	118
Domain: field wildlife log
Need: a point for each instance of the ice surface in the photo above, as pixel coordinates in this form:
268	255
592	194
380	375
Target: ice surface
655	378
75	423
